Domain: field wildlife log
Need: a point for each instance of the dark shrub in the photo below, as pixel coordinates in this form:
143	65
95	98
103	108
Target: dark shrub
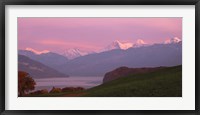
43	91
80	88
68	89
71	89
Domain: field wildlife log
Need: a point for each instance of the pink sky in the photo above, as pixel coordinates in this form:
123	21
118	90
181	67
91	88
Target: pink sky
93	33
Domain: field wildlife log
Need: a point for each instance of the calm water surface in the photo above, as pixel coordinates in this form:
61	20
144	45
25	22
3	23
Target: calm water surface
75	81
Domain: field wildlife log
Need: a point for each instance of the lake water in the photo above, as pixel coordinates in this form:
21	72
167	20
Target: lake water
86	82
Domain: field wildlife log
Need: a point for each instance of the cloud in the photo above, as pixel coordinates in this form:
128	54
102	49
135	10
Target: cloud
52	42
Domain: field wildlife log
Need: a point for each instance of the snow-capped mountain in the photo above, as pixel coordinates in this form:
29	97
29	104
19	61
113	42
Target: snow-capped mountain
124	46
37	52
74	53
118	45
140	43
172	40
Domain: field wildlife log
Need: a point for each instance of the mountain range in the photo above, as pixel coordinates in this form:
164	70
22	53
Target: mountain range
115	55
123	45
148	56
74	53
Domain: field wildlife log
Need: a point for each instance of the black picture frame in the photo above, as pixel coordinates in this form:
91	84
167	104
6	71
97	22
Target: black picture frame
99	2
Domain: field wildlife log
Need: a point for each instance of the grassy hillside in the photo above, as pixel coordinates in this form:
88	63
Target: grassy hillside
166	82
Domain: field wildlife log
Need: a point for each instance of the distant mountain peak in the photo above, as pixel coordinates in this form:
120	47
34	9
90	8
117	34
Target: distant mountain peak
172	40
140	42
118	45
117	42
37	52
72	53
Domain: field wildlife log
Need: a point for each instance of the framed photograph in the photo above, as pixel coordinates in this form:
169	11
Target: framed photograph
134	57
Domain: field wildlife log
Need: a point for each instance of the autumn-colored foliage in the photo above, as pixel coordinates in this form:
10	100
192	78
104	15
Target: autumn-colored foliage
25	83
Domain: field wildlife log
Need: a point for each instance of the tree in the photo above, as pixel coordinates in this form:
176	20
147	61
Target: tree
25	83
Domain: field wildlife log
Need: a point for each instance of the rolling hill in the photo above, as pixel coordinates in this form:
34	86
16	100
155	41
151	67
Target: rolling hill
37	69
166	82
50	59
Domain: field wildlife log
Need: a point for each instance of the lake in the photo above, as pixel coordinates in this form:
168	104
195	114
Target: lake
76	81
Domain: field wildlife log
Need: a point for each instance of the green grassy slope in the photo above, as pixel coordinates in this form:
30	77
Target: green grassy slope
166	82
